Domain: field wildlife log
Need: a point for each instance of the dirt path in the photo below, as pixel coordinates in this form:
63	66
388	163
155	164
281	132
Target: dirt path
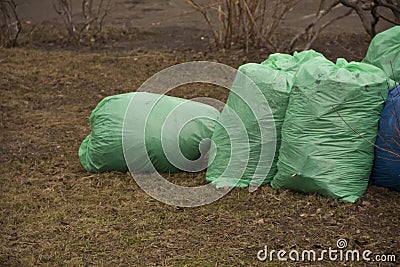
172	13
172	24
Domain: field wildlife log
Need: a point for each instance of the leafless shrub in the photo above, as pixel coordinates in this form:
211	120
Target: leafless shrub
369	12
92	20
10	24
245	22
314	28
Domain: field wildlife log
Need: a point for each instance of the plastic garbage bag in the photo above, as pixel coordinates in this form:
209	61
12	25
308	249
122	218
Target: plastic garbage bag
384	52
171	118
386	170
274	79
320	152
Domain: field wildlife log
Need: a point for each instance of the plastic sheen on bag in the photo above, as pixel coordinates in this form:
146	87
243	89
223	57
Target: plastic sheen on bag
102	149
320	153
386	170
274	78
384	52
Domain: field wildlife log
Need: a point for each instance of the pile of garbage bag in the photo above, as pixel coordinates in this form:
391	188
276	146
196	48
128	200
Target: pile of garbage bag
311	125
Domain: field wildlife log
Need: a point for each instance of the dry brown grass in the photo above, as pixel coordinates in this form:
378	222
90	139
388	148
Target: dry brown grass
53	213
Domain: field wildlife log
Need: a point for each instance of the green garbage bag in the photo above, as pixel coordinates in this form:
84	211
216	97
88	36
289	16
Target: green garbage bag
274	79
384	52
190	122
320	153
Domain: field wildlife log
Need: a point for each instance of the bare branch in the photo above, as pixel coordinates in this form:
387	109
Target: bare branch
365	139
309	29
245	22
10	24
391	6
92	21
205	15
362	11
326	24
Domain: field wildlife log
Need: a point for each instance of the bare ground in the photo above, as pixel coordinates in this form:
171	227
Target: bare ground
54	213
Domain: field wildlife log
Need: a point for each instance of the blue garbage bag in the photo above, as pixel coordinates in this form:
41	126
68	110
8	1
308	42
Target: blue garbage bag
386	171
